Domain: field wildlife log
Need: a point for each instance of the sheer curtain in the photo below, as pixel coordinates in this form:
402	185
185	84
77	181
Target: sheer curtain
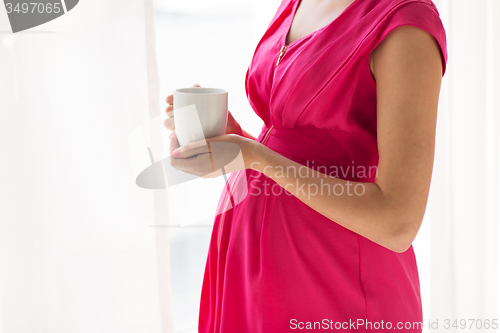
77	250
465	198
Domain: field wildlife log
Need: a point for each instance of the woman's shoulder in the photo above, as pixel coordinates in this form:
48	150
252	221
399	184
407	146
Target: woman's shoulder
384	8
422	14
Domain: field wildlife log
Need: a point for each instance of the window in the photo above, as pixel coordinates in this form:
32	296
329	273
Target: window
209	42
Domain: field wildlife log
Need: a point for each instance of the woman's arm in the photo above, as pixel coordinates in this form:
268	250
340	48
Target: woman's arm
407	68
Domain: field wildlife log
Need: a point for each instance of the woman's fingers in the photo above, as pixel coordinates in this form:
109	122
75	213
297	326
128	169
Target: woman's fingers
191	149
169	124
169	110
196	158
170	99
174	144
198	165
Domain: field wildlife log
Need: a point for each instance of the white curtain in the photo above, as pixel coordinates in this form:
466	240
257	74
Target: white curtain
465	198
78	252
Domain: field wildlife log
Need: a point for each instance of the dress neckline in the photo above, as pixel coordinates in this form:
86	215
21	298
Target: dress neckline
294	12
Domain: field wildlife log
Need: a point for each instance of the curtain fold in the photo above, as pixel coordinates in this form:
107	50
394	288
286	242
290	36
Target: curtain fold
78	252
464	200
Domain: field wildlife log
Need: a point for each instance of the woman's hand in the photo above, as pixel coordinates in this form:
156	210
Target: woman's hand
213	157
232	125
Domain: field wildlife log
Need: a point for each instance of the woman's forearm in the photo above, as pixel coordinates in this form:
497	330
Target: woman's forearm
360	207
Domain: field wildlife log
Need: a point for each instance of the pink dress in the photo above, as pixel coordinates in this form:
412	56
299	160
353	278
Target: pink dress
274	264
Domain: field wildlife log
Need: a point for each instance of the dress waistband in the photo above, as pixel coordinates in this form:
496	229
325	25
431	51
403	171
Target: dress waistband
345	155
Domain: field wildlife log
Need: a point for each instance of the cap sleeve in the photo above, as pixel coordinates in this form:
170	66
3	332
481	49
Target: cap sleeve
420	14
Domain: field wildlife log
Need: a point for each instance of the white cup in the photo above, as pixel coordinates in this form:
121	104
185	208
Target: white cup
199	113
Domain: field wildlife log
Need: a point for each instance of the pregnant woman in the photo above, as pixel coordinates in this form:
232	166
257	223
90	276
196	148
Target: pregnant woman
333	191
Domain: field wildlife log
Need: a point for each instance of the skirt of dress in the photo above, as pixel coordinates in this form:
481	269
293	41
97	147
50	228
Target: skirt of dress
276	265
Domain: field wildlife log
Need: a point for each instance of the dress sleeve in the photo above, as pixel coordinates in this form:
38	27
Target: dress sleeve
420	14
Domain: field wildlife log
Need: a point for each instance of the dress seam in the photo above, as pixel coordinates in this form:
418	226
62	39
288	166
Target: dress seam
366	108
310	146
357	152
260	253
297	140
360	280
